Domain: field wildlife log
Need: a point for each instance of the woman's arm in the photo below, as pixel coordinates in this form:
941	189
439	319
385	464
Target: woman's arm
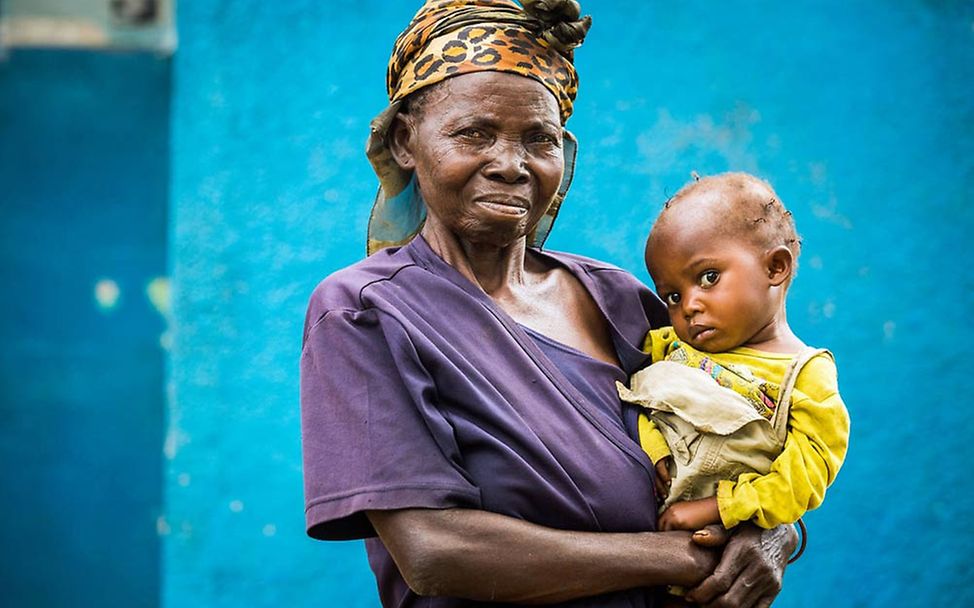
490	557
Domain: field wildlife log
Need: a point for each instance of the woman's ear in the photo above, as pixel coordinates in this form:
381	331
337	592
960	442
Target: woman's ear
780	265
401	137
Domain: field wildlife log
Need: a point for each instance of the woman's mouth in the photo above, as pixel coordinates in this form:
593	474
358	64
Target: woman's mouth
512	207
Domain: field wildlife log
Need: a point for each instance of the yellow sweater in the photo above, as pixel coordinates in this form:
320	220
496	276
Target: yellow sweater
815	446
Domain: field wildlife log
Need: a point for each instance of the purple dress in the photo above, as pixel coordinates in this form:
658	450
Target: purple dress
418	391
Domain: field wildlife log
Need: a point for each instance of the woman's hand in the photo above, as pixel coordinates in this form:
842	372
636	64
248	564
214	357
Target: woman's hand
750	572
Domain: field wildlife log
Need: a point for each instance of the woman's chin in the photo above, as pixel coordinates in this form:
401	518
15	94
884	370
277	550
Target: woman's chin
502	232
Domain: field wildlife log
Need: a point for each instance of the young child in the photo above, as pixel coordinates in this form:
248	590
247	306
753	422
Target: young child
745	422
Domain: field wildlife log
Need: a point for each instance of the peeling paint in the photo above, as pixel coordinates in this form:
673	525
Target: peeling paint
107	294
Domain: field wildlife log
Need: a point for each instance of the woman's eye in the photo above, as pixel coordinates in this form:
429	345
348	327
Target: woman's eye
473	134
709	278
672	299
544	138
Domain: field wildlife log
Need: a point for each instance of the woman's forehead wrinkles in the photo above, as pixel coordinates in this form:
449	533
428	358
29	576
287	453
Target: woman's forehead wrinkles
499	96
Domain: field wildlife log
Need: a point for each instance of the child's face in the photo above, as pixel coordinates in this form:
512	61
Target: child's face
719	289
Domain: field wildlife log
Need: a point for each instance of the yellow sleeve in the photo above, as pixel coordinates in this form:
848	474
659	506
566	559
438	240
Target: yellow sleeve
818	436
658	342
651	440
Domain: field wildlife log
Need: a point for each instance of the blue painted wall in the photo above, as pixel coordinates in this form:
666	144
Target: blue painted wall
84	169
860	113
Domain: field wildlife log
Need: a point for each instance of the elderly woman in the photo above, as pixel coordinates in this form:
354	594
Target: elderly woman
458	401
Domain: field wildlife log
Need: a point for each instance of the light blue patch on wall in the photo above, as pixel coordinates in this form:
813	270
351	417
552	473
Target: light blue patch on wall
84	168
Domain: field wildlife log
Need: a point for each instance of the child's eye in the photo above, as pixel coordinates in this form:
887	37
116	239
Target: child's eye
672	299
709	278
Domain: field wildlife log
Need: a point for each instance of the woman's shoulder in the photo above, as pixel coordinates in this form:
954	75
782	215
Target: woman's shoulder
599	271
586	263
617	289
343	288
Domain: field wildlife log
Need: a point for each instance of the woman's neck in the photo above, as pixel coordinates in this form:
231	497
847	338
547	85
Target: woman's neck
495	269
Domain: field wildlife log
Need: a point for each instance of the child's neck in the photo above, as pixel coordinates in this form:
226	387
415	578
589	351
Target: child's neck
777	337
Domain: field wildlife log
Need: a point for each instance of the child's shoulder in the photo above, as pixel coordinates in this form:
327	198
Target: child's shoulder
819	378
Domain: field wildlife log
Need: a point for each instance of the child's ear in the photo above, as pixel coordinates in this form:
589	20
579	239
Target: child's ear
780	265
401	135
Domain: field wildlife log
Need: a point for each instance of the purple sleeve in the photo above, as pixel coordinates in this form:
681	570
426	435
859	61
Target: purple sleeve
372	437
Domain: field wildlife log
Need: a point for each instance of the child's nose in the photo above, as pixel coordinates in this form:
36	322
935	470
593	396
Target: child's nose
692	305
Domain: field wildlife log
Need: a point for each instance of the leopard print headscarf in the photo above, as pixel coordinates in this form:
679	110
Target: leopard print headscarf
452	37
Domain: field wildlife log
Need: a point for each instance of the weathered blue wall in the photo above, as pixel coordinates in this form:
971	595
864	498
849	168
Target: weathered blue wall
860	113
84	169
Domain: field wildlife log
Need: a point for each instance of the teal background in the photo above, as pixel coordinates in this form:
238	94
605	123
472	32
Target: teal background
150	452
84	179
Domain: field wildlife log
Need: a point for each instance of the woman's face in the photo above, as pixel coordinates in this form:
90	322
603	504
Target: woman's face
486	149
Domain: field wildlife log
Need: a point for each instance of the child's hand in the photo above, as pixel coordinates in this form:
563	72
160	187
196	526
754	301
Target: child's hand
663	479
691	515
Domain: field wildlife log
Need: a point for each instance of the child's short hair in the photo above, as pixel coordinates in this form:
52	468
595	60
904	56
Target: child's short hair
752	210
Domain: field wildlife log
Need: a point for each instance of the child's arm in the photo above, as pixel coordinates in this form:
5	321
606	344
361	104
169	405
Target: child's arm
690	515
818	436
656	344
651	439
652	442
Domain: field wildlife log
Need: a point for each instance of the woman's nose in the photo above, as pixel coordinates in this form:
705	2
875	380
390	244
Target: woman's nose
507	163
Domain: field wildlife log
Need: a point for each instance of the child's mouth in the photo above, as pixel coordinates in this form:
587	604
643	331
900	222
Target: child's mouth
702	333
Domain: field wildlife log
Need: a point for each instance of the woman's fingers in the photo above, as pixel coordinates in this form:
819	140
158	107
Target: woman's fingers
748	591
746	576
717	585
